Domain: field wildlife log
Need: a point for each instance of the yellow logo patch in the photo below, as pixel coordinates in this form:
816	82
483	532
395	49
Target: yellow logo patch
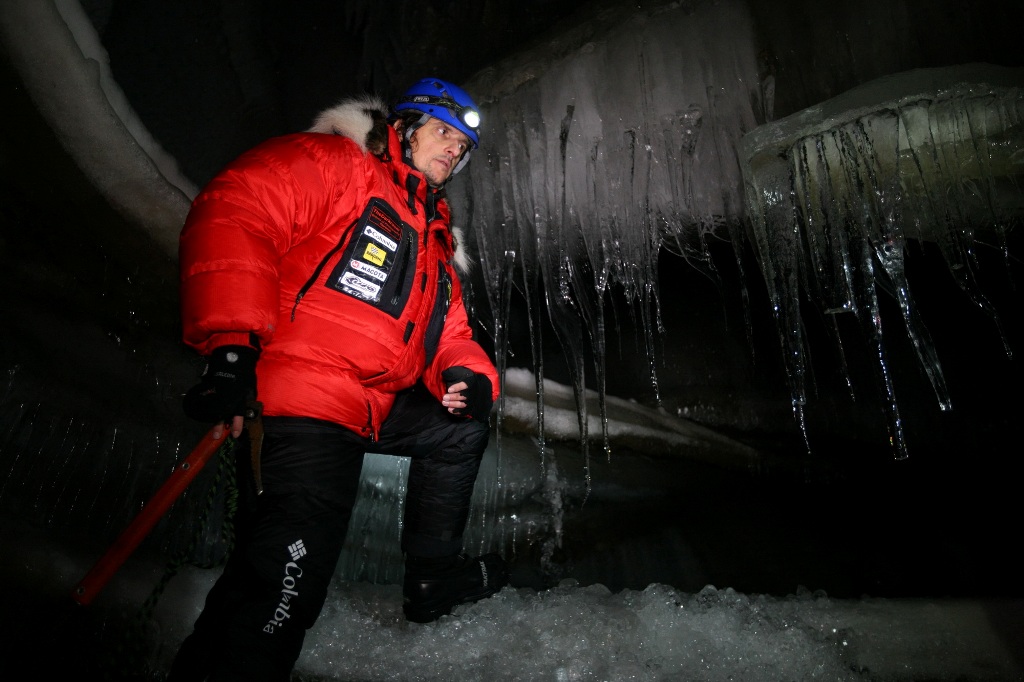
374	254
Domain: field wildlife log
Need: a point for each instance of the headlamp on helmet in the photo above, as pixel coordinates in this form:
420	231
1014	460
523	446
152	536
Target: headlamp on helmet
446	102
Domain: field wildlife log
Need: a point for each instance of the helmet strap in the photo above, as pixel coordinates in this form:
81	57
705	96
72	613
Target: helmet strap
407	136
461	164
416	126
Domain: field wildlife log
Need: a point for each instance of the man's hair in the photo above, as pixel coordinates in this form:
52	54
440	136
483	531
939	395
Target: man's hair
407	118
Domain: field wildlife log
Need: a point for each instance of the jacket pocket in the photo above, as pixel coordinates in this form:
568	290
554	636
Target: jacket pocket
379	263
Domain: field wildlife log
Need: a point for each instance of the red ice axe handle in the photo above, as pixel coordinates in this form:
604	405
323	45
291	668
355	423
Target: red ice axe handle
140	526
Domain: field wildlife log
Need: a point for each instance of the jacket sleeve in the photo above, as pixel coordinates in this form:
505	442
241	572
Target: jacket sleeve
458	348
233	239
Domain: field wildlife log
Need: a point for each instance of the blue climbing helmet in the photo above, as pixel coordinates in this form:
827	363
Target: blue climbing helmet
446	102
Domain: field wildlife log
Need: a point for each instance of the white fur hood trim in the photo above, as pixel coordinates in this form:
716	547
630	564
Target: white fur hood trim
460	258
351	118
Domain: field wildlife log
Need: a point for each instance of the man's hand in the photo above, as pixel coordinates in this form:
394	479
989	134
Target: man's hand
468	393
227	386
237	424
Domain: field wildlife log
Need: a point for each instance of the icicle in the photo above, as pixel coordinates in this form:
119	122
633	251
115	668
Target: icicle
593	165
834	198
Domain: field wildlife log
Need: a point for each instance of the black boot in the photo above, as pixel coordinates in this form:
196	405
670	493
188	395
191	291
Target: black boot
433	587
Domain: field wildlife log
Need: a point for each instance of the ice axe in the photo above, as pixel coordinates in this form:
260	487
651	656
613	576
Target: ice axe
141	525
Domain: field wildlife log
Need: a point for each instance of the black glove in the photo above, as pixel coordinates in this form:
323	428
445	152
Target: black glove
477	391
227	385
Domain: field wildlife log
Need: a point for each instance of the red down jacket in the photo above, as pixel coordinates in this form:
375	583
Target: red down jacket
339	262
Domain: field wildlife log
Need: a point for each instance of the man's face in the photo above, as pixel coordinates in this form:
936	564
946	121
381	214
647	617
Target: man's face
436	149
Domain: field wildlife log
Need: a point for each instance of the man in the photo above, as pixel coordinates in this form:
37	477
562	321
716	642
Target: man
319	269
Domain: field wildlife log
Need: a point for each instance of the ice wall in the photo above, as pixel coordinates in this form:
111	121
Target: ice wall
600	150
65	69
836	192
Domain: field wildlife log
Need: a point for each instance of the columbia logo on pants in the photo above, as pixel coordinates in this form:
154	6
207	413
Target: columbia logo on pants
289	588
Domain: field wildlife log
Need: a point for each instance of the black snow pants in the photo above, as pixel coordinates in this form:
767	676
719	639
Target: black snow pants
288	542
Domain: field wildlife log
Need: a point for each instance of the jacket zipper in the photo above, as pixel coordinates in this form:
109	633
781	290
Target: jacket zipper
369	422
320	268
401	275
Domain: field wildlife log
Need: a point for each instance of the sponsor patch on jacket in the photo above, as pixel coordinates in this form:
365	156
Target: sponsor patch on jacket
379	261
